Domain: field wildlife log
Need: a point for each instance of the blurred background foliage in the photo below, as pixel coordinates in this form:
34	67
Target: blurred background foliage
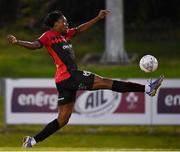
139	15
160	18
150	20
151	27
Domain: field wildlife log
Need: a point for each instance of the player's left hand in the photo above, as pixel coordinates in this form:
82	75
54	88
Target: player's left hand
11	39
103	13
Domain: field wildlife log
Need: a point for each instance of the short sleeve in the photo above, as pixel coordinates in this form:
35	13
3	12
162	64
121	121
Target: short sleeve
71	33
44	39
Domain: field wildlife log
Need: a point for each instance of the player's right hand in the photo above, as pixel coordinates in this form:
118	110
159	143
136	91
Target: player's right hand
12	39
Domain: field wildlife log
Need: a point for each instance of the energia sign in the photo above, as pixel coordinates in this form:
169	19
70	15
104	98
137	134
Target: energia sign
34	101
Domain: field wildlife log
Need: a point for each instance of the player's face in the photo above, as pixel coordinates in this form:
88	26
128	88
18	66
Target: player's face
62	25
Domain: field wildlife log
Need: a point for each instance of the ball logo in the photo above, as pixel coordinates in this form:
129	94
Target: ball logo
97	103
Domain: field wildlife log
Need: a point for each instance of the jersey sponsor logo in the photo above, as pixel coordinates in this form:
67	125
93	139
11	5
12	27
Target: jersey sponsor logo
67	46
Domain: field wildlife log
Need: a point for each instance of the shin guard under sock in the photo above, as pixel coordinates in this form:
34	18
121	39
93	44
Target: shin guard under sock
47	131
121	86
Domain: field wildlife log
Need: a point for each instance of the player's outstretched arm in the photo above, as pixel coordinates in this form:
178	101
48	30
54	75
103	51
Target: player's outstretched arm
83	27
26	44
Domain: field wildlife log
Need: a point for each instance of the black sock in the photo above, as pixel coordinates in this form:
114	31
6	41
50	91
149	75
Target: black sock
50	128
121	86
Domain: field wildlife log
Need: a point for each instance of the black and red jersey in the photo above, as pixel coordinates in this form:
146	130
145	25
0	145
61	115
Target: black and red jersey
60	48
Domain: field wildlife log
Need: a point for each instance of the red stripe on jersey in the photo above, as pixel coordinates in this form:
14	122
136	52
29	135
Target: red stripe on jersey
61	69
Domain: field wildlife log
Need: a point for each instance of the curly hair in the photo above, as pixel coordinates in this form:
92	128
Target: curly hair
52	17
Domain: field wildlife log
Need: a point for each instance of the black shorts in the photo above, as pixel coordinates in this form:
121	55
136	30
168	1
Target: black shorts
79	80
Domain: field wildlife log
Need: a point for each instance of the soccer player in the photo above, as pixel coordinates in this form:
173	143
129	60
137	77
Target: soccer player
68	78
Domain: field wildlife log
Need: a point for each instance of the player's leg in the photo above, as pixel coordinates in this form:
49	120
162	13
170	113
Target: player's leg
115	85
63	118
64	113
123	86
65	107
83	80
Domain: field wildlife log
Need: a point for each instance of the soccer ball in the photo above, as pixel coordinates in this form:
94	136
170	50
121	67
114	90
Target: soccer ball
148	63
